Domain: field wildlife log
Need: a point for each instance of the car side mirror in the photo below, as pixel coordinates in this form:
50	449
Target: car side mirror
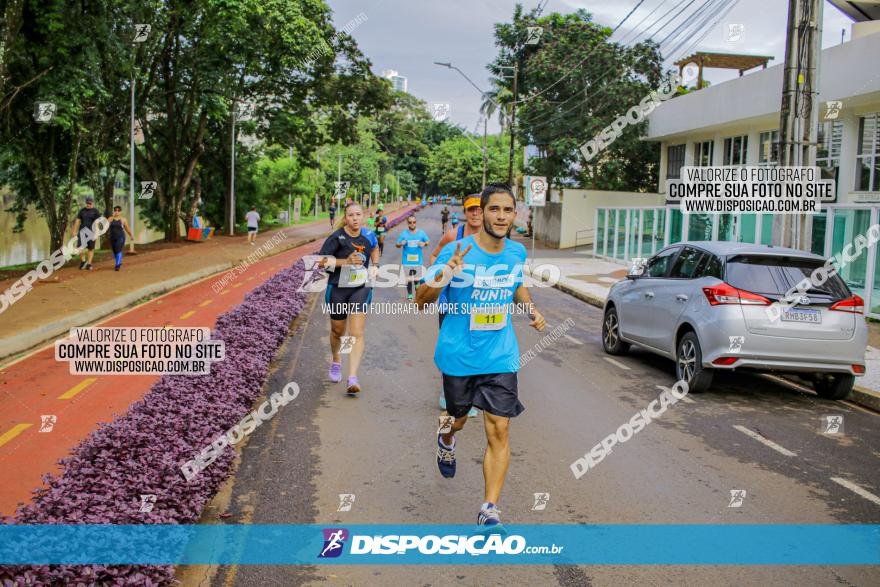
637	269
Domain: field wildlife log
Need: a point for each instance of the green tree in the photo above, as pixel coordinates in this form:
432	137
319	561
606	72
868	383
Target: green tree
456	165
63	53
573	84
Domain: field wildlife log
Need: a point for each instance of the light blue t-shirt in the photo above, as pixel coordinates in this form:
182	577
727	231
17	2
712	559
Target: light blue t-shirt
477	336
412	255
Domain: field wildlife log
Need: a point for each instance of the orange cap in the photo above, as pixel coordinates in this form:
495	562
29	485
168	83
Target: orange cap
471	201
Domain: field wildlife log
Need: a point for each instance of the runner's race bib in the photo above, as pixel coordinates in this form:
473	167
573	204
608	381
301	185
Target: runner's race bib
493	315
486	318
353	276
413	244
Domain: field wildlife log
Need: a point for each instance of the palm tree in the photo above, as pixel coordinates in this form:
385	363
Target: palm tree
497	99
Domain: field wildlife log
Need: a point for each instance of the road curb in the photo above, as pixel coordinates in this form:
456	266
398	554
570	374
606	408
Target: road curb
860	395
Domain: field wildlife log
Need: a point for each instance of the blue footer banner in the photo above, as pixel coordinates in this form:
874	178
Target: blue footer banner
648	544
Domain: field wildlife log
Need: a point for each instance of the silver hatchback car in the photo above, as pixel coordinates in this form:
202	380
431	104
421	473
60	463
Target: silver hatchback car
705	305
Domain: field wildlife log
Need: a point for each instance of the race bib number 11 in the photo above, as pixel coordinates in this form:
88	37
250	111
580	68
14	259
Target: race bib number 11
488	321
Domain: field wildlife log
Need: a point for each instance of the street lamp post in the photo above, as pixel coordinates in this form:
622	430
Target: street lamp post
141	33
485	121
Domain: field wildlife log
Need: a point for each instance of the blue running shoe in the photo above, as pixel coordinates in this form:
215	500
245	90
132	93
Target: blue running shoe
446	459
473	413
442	401
491	520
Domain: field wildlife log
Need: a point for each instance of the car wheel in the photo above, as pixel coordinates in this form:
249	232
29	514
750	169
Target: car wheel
689	364
611	340
835	386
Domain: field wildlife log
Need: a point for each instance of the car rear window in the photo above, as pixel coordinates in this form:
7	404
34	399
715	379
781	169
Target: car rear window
772	275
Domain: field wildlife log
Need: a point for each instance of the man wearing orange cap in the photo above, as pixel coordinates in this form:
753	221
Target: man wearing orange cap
473	214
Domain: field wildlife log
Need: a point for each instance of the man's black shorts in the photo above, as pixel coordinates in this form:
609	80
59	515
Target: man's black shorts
495	393
356	300
82	241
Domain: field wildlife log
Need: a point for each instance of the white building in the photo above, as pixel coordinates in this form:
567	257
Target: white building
397	80
736	123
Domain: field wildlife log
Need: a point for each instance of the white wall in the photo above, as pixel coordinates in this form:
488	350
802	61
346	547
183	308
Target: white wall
578	213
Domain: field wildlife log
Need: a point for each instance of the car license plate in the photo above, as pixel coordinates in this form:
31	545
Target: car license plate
811	316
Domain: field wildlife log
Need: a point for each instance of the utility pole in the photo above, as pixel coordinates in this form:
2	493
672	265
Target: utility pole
512	124
232	177
799	114
290	190
485	150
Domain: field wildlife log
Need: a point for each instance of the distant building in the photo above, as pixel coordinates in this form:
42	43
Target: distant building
397	80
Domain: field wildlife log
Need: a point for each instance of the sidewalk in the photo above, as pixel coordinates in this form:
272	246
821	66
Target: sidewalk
71	297
590	280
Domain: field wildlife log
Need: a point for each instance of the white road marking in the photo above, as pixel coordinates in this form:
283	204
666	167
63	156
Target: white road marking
573	339
616	363
765	441
857	490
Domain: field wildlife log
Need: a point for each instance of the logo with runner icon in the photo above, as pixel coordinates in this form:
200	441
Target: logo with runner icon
832	424
334	542
541	500
346	500
47	423
737	497
346	344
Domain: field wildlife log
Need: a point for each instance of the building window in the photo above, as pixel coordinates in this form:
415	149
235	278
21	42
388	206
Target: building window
829	137
768	148
868	156
674	161
703	153
735	149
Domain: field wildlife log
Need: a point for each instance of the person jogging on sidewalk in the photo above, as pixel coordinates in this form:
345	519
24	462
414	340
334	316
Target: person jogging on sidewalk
253	224
474	217
332	211
118	229
348	251
444	219
477	347
412	241
85	219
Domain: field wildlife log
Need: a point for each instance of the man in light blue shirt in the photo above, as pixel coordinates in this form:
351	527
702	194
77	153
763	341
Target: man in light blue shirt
477	350
412	241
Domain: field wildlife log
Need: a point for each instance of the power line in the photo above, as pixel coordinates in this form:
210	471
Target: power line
699	40
690	23
553	117
604	88
569	72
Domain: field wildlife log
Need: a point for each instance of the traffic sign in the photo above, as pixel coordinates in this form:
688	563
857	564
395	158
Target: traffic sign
536	190
376	188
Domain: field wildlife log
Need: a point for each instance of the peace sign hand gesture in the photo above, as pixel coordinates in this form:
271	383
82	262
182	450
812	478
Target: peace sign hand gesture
456	262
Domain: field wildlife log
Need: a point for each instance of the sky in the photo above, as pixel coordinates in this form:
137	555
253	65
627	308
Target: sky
410	35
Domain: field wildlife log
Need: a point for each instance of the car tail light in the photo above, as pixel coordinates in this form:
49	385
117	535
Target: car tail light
853	304
724	293
860	369
725	361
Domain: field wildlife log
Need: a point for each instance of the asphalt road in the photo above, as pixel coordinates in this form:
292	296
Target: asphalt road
679	469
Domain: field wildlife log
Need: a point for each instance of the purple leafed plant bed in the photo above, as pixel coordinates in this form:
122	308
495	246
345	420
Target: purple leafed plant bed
141	451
